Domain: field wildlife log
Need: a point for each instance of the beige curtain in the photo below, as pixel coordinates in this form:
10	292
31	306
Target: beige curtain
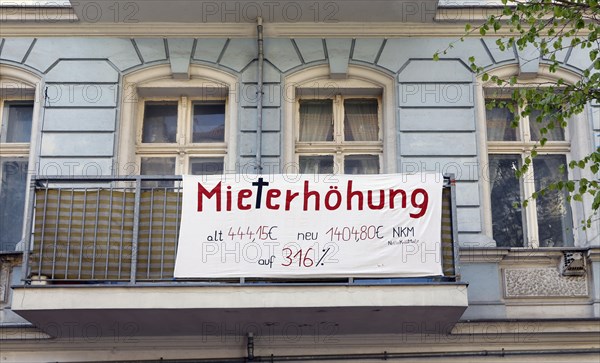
316	120
360	121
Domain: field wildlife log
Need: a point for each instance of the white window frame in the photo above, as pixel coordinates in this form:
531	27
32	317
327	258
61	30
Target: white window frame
183	149
19	85
339	148
13	149
577	144
158	80
361	82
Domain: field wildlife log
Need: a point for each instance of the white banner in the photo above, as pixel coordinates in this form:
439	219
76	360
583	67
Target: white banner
310	226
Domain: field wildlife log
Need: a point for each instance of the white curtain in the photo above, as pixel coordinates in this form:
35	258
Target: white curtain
316	120
360	121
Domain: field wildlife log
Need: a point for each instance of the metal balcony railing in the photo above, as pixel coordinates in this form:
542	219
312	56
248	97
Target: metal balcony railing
126	229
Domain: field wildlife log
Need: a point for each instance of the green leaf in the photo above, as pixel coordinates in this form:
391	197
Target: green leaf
596	202
553	27
511	107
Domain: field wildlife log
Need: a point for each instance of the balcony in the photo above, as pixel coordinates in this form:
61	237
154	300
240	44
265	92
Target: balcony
103	251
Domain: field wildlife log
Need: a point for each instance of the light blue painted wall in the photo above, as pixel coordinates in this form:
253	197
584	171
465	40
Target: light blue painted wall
436	128
436	124
596	288
485	294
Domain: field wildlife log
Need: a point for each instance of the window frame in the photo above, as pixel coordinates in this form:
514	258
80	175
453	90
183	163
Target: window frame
577	144
183	149
361	83
20	85
338	147
157	84
15	149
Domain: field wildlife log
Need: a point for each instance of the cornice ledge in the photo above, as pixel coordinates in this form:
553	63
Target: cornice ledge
482	254
536	255
21	333
594	254
353	30
142	30
510	255
580	326
240	30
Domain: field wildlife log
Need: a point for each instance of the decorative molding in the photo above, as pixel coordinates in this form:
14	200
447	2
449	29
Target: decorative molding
218	82
67	26
524	326
542	282
540	257
544	75
594	255
520	256
37	14
4	282
18	78
483	254
359	76
7	262
465	14
235	30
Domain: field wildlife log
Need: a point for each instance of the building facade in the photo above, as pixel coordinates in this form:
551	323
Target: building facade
94	95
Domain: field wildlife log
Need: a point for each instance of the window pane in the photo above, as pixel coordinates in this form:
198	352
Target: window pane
206	166
160	122
12	201
316	120
361	164
361	120
209	122
158	166
555	223
507	221
316	164
17	121
555	134
498	120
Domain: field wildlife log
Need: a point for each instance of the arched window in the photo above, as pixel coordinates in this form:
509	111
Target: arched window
174	126
340	126
19	111
549	220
